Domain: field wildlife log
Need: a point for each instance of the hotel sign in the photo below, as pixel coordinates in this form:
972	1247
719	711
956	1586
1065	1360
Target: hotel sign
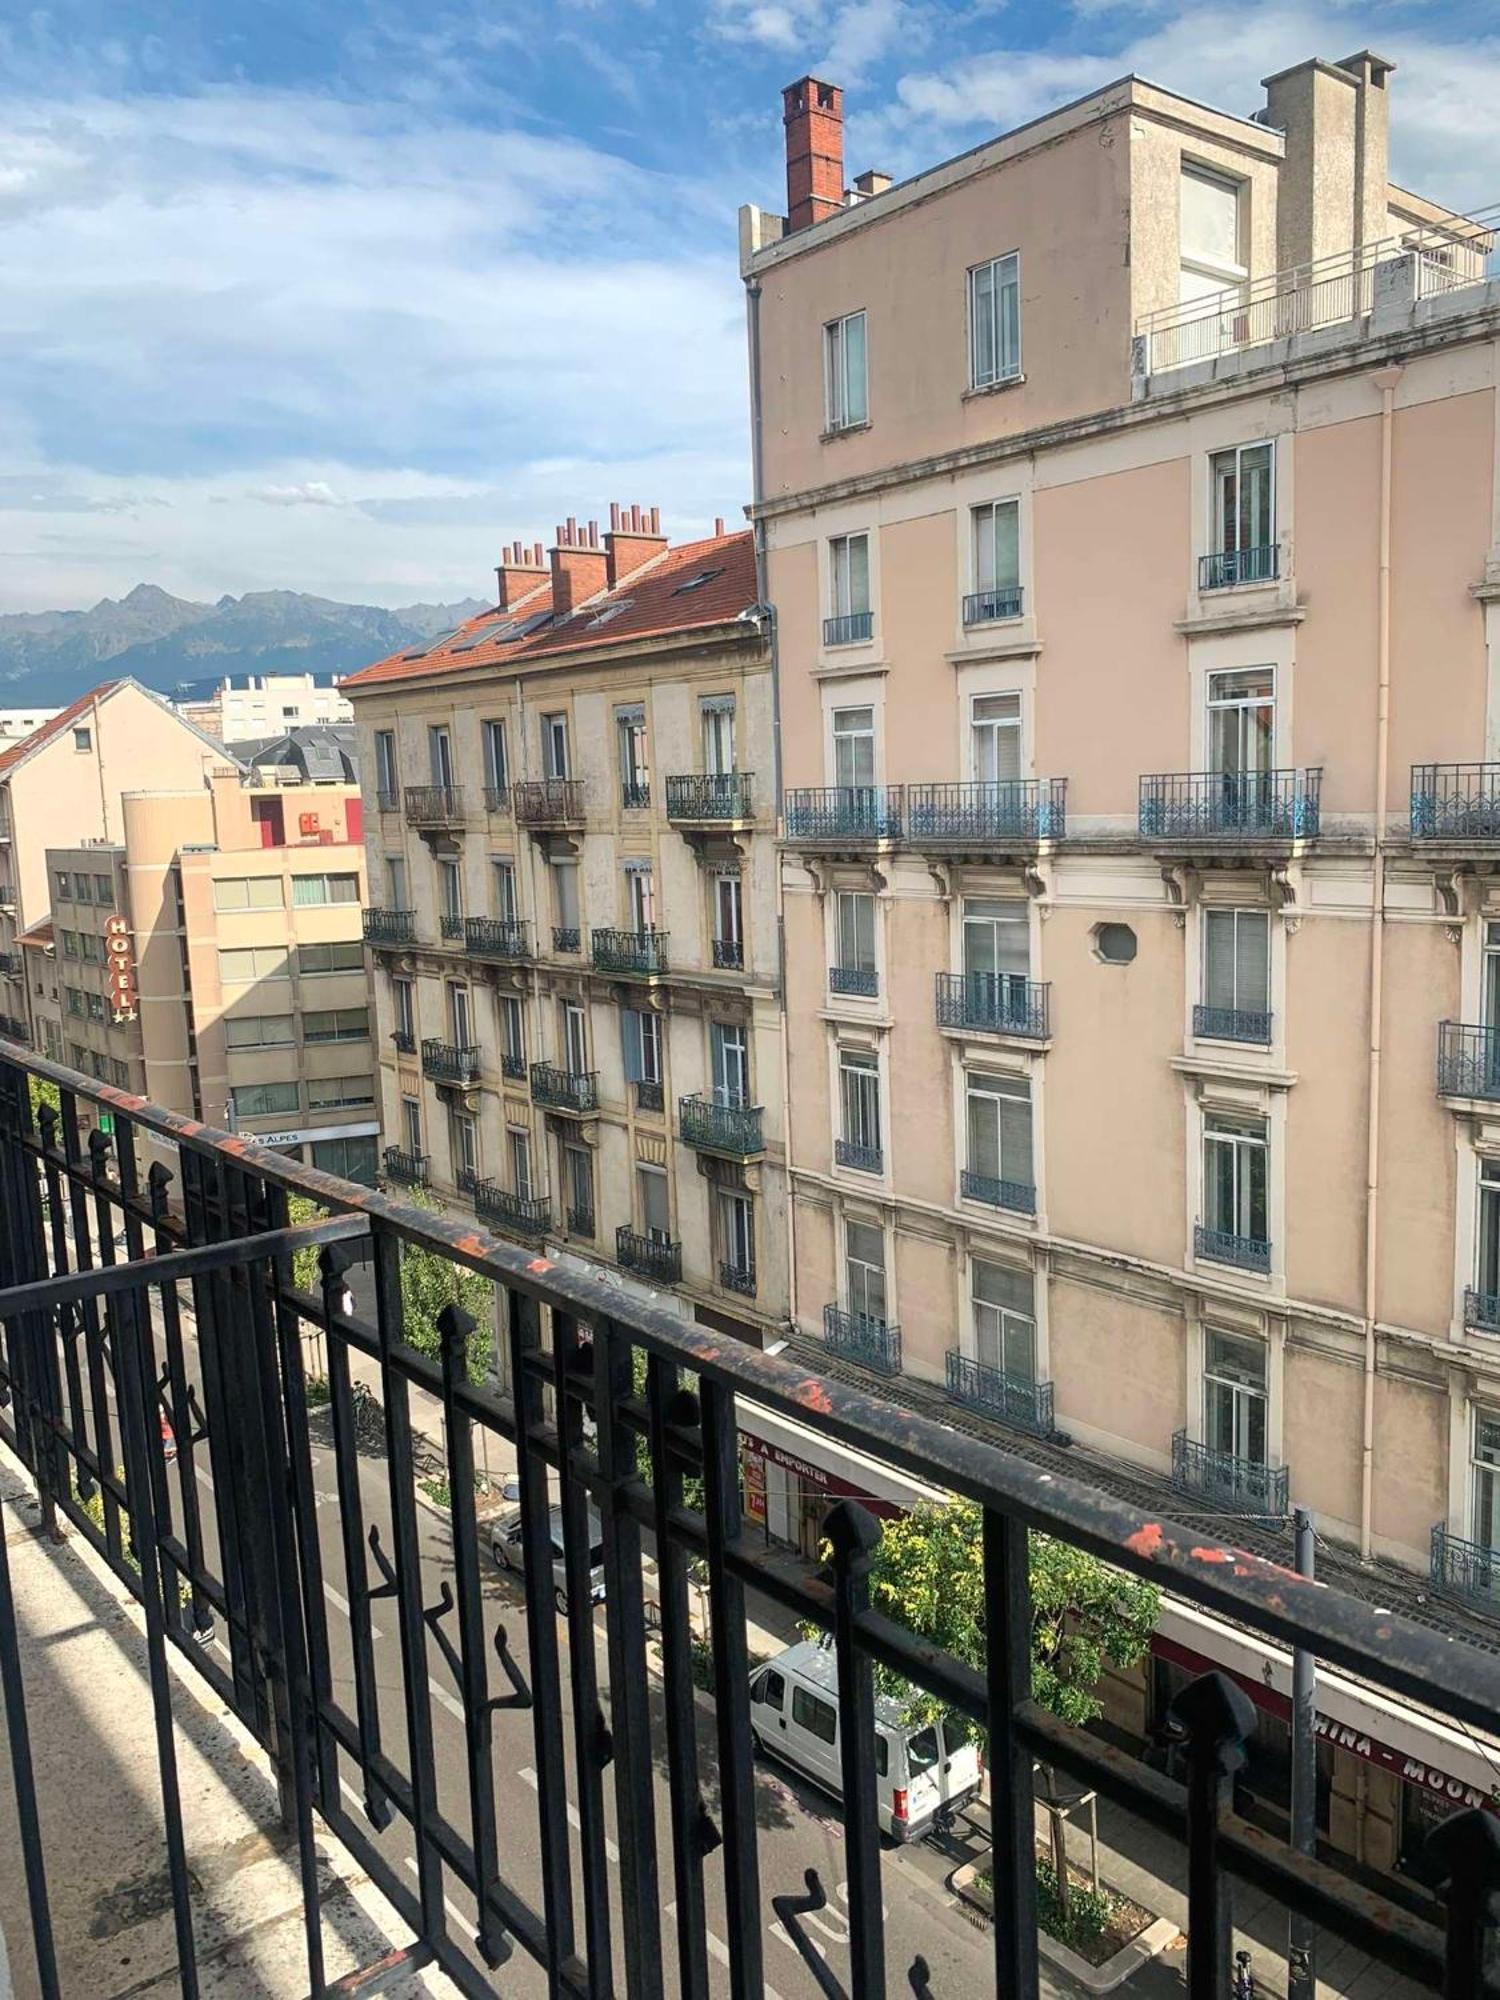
119	958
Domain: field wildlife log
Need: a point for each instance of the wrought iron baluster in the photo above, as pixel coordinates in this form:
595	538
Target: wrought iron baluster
1007	1622
101	1427
1213	1717
1463	1857
186	1430
69	1325
854	1533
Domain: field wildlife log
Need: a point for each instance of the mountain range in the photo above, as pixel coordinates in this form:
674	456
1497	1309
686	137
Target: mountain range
47	658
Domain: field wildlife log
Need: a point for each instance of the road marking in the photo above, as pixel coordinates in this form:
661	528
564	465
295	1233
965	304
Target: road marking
341	1603
199	1473
612	1853
455	1915
720	1950
442	1696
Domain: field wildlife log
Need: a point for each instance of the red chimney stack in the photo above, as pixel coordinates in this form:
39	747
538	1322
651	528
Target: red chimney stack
579	567
813	113
519	572
634	538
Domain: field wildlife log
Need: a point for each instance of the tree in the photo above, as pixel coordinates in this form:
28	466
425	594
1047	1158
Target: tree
44	1092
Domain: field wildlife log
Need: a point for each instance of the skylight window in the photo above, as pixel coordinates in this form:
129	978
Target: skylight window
431	646
697	582
610	611
503	629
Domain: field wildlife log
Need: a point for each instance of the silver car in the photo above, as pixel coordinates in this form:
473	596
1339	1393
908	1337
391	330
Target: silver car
507	1548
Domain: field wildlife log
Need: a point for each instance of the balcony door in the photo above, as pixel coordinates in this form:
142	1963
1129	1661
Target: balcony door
1241	737
718	736
440	756
1000	1136
854	749
1485	1475
1004	1320
555	761
730	1058
1234	1177
737	1230
574	1039
451	891
463	1142
728	916
997	956
995	738
461	1017
1489	1004
1234	1396
640	898
1236	966
864	1271
656	1208
411	1122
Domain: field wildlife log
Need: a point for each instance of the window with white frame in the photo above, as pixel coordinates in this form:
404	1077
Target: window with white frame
1242	721
513	1030
859	1099
565	895
450	891
997	559
1489	981
1234	1178
496	756
519	1146
342	956
573	1026
849	576
1004	1307
339	1093
440	754
1234	1395
995	321
253	892
655	1203
264	1100
310	891
854	747
845	374
578	1185
1236	975
1484	1475
995	738
463	1141
385	763
395	879
1210	257
640	1037
996	938
403	1009
717	712
635	772
503	871
1000	1168
640	896
728	918
262	961
336	1024
1242	501
729	1063
411	1125
1485	1310
460	1016
736	1217
864	1271
555	761
258	1031
854	931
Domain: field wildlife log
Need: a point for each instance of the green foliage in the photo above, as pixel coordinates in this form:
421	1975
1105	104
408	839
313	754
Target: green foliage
305	1274
440	1493
1081	1922
692	1484
318	1392
43	1092
701	1662
929	1576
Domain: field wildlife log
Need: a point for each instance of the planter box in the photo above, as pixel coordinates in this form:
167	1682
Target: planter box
1104	1978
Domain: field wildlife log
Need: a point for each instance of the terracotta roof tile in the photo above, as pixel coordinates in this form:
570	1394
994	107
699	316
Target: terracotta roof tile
38	937
64	719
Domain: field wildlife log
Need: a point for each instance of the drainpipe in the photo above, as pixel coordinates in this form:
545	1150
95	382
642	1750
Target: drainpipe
772	629
1385	380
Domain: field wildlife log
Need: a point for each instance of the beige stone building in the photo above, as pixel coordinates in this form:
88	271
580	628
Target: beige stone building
574	943
1129	496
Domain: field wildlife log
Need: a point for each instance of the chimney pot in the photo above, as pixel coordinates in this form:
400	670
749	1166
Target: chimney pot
614	514
718	525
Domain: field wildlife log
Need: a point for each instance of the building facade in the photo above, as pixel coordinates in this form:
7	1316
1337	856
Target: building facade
573	935
1137	594
266	705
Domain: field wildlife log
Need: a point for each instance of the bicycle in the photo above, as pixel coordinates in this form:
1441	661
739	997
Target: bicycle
1242	1985
369	1415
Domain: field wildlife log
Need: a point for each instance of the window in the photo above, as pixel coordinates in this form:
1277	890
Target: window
859	1093
1236	974
310	889
997	939
263	1100
63	884
1485	1470
641	1039
496	756
771	1689
995	321
519	1144
96	1006
104	889
729	1060
844	372
319	958
262	961
728	917
1234	1177
1242	500
854	747
411	1125
91	947
1208	234
736	1230
655	1205
395	879
864	1270
565	894
450	891
573	1023
504	874
69	943
247	892
997	557
578	1182
385	763
854	919
460	1016
635	774
339	1093
849	576
1489	978
352	1159
1241	721
1234	1395
555	762
258	1031
995	738
336	1024
513	1031
1487	1271
73	999
999	1126
440	755
1004	1319
401	1003
1114	943
119	1073
78	1055
83	889
718	734
820	1718
463	1143
83	739
640	896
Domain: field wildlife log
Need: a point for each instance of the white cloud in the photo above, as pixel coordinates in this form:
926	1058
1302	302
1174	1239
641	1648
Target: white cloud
305	493
843	43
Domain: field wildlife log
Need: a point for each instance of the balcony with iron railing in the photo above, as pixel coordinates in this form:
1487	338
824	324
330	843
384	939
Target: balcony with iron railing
860	982
1239	1485
1232	1024
1019	810
1011	1399
373	1715
11	965
14	1028
710	1125
710	798
407	1169
404	1041
435	806
390	927
7	895
450	1062
1468	1060
579	1220
842	815
649	1094
635	795
858	1156
990	607
575	1091
1227	1246
657	1258
548	802
996	1003
738	1278
1272	806
497	799
1455	802
1482	1311
1017	1196
517	1214
728	954
1225	568
635	954
854	1336
849	628
387	801
496	937
513	1066
451	927
567	939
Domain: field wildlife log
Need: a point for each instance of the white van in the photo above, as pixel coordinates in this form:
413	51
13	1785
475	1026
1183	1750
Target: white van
794	1715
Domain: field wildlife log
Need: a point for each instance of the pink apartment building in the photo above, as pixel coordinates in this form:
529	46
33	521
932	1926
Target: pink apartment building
1128	495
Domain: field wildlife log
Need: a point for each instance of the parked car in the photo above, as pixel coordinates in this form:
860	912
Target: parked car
919	1771
507	1550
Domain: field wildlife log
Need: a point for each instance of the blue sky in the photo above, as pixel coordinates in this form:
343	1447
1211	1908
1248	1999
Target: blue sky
339	297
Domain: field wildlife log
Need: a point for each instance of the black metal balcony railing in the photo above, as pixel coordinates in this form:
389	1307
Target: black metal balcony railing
1482	1311
1024	809
407	1169
862	1158
450	1062
1019	1196
1230	566
387	801
1226	1246
649	1094
558	1089
987	607
1012	1399
567	938
10	965
1468	1060
712	1127
14	1028
435	805
548	802
873	1343
405	1041
1231	1024
1001	1002
514	1067
1248	805
1455	801
860	981
518	1214
496	937
451	927
1469	1571
580	1220
1242	1485
729	954
850	628
7	895
711	796
737	1278
636	953
395	927
653	1257
838	813
497	798
635	795
362	1728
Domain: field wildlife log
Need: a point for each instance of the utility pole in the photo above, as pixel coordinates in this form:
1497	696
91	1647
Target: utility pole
1301	1982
